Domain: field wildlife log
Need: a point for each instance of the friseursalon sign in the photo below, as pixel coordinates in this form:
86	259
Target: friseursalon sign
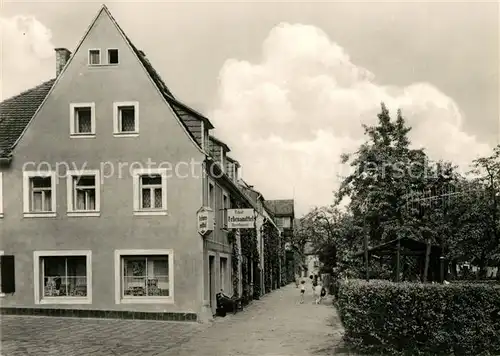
205	220
240	218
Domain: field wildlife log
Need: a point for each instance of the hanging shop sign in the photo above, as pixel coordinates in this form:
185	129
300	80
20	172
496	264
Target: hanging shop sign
240	218
205	219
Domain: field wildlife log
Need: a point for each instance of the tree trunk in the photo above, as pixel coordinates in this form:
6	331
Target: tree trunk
481	274
398	261
427	256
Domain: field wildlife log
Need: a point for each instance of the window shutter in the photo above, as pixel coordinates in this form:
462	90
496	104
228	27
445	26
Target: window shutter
8	274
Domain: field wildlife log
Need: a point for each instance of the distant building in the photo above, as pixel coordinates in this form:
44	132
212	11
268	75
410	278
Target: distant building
312	264
263	215
283	211
284	214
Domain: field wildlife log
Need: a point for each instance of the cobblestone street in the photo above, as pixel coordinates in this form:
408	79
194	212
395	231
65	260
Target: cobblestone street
274	325
34	335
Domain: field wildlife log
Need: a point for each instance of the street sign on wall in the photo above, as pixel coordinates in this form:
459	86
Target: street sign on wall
240	218
205	220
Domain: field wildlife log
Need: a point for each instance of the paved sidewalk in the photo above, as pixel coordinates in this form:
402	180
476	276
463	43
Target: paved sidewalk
41	335
275	325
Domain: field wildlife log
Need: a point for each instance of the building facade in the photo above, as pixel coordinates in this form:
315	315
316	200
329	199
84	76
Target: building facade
102	172
283	212
262	216
311	261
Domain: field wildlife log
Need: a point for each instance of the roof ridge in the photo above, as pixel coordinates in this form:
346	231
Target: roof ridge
160	84
24	92
141	55
16	113
219	142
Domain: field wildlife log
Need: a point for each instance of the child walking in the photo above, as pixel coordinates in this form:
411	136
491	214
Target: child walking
319	293
302	291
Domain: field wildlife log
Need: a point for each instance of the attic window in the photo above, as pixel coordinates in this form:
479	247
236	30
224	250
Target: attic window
94	57
112	56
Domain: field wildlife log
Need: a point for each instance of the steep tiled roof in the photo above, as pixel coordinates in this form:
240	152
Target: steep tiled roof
16	113
220	143
232	160
214	150
186	114
280	207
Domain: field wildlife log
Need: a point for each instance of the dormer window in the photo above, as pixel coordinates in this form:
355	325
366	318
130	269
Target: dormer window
112	56
94	57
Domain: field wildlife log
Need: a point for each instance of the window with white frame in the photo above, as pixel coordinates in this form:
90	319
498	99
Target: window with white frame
82	119
39	193
236	173
144	276
83	189
286	222
150	191
94	56
1	254
1	195
63	277
112	56
211	199
225	207
126	118
211	195
283	222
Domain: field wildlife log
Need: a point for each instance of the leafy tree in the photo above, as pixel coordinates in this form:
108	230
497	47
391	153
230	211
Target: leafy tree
488	204
385	170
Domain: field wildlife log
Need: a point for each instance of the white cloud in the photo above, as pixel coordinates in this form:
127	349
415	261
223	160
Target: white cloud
289	117
27	50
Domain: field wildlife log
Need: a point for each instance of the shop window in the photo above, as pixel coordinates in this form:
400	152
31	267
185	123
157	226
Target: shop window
144	277
63	277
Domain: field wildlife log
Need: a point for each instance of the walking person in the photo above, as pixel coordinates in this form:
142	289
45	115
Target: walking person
302	291
319	293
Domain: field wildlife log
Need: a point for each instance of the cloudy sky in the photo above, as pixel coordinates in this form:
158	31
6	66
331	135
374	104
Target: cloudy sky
288	84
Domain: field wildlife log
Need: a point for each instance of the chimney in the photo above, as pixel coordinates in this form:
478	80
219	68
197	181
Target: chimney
62	56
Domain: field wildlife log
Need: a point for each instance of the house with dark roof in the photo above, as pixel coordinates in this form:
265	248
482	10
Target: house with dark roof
284	213
99	199
262	216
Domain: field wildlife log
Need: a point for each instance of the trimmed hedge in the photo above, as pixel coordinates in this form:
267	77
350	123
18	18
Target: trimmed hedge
383	317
